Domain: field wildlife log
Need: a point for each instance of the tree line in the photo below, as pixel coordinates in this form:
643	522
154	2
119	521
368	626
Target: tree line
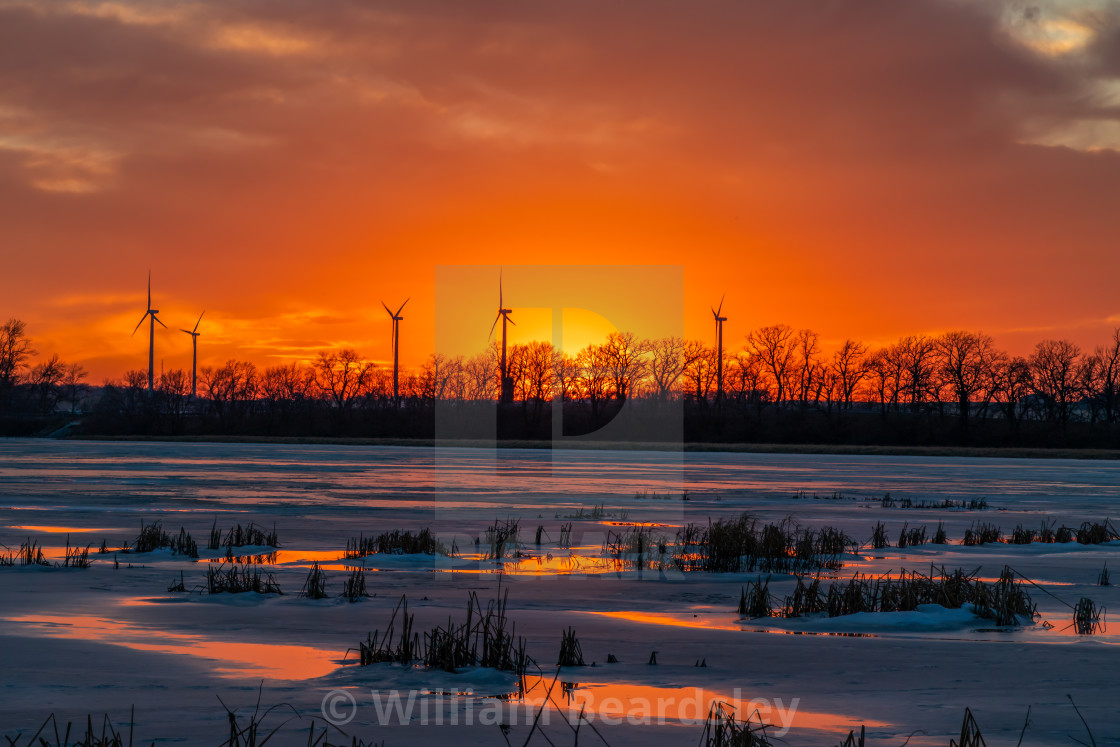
778	382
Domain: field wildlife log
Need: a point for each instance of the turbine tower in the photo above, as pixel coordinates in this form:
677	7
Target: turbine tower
194	333
719	349
396	318
503	314
150	312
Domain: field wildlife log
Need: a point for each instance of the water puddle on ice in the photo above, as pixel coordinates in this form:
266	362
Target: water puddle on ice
234	659
684	705
715	621
683	620
51	529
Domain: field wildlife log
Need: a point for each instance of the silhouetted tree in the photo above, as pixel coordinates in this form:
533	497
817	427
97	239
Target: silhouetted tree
342	377
966	362
1054	377
15	350
776	347
849	364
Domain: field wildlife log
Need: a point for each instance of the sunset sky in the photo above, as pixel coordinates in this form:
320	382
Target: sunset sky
866	168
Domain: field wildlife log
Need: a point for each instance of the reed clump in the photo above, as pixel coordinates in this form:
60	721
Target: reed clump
1021	535
1097	533
502	537
911	536
879	536
30	553
354	588
395	542
315	585
153	537
485	638
636	546
76	557
179	586
973	504
755	600
571	653
1088	618
970	733
722	729
239	579
743	544
1003	600
238	536
982	534
107	736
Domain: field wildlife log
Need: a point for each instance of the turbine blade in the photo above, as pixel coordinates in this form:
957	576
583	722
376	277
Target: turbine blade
492	326
386	307
140	322
402	306
186	330
721	304
510	320
197	323
149	289
160	323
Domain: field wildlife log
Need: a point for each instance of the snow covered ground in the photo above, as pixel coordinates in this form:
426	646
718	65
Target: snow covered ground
109	637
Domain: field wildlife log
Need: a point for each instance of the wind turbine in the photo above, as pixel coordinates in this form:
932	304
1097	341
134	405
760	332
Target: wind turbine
150	312
719	349
397	318
194	333
503	314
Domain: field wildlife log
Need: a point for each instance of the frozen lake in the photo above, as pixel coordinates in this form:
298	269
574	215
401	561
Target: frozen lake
101	639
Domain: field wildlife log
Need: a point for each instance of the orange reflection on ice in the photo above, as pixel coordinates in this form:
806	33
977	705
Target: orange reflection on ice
639	703
50	529
682	620
235	658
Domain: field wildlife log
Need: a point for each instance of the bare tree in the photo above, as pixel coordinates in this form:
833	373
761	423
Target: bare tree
45	381
342	376
666	365
966	362
622	356
1054	377
776	347
230	390
808	368
284	386
436	377
745	378
1103	384
1011	386
15	350
594	377
849	364
886	368
700	370
172	390
919	364
73	384
478	372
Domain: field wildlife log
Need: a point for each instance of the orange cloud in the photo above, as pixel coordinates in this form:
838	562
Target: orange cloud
868	169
